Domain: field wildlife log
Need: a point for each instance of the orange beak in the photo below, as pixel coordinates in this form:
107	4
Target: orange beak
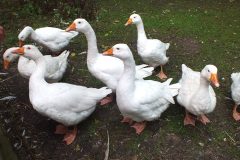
6	64
20	43
19	51
108	52
129	22
214	80
72	27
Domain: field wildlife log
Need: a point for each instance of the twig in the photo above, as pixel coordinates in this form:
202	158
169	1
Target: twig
228	98
81	53
7	98
233	141
3	73
8	78
107	150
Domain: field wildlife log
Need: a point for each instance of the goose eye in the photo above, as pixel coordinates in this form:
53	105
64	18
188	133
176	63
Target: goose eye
7	57
118	48
28	47
134	17
79	22
208	70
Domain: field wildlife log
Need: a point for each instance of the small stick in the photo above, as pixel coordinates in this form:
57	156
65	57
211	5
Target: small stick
234	142
8	78
107	150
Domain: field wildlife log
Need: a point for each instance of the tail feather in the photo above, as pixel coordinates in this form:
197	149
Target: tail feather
184	67
71	34
235	76
170	98
168	81
74	33
175	88
143	71
63	61
67	53
105	91
167	46
63	58
172	90
62	54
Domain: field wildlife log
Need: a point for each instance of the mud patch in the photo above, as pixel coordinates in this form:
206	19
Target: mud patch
187	46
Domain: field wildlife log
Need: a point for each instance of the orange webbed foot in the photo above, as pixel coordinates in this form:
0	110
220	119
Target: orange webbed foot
189	120
203	119
139	127
106	100
127	120
162	75
236	114
61	129
70	136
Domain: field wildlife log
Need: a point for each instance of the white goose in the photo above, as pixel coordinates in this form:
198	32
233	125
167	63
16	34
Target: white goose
152	51
196	94
106	69
54	39
56	66
140	100
235	88
65	103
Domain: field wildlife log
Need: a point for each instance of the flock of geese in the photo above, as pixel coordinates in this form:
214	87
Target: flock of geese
138	100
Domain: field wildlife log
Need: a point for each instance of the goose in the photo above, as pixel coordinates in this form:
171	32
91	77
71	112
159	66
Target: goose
106	69
137	99
196	94
65	103
54	39
56	66
152	51
235	88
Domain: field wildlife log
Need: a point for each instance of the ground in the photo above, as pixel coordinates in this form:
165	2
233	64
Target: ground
200	32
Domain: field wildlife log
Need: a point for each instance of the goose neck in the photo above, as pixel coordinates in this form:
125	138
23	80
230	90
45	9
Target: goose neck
38	39
92	44
204	84
37	77
128	77
22	61
141	31
34	36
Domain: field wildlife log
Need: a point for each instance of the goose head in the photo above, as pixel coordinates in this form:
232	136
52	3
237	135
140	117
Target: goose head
23	35
9	57
134	19
79	25
120	51
209	72
28	51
